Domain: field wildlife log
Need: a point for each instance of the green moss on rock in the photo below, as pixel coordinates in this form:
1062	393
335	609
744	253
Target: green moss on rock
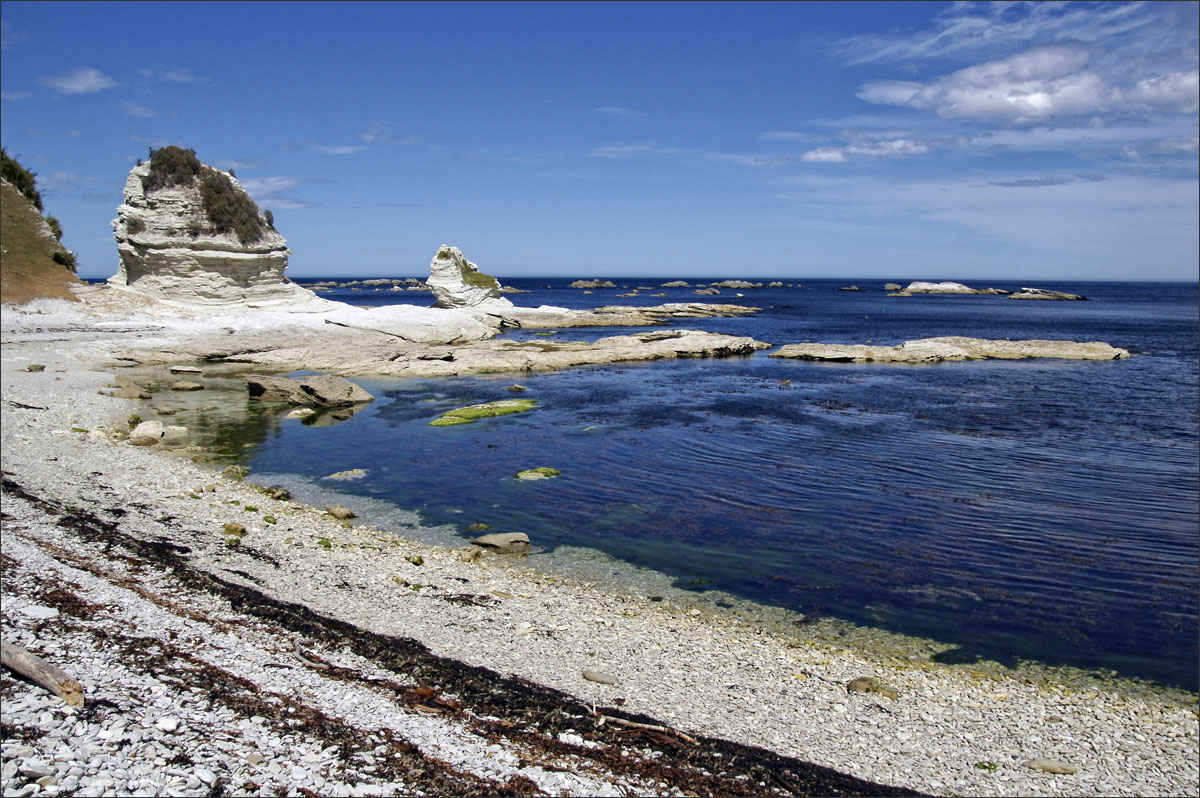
467	415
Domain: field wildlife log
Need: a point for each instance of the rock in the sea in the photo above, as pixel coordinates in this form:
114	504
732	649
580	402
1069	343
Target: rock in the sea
128	388
457	283
504	542
189	234
1039	293
467	415
543	472
353	473
184	370
593	284
849	288
185	385
937	350
324	390
892	287
922	287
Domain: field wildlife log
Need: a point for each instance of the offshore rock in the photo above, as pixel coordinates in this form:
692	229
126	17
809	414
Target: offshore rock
457	283
921	287
938	350
170	251
1039	293
325	390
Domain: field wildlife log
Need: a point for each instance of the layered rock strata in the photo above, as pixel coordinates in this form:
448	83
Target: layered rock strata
170	249
938	350
457	283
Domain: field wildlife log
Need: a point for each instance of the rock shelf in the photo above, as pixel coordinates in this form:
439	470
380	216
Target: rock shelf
333	656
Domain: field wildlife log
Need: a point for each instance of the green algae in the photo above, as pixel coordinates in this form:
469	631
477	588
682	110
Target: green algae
472	413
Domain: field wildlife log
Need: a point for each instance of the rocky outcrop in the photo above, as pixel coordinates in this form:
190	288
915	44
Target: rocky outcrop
1039	293
593	284
921	287
938	350
179	242
457	283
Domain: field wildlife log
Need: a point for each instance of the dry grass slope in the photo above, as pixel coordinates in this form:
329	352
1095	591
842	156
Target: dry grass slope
27	268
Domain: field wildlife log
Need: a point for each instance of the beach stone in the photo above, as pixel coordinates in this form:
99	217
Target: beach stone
147	433
340	512
170	723
35	367
504	542
1050	766
234	528
276	492
869	684
128	388
184	385
39	612
599	677
235	472
183	370
329	390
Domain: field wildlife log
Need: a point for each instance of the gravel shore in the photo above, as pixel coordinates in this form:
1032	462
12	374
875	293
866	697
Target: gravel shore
325	657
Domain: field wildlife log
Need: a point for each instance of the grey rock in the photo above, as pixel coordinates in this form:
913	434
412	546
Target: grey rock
937	350
1050	766
148	433
1038	293
184	385
340	512
599	677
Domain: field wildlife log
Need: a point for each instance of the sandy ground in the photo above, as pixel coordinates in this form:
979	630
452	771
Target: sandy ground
326	657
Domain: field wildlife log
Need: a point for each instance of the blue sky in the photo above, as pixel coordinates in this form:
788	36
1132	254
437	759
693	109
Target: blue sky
1053	141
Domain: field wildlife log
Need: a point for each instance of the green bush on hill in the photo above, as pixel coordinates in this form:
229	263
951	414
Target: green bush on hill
55	227
22	178
65	258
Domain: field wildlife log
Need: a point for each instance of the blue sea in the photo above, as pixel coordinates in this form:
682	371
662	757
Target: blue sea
1013	511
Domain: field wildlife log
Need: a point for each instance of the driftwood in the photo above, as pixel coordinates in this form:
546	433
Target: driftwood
38	670
647	726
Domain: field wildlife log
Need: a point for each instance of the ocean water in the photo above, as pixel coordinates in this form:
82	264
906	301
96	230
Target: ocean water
1013	511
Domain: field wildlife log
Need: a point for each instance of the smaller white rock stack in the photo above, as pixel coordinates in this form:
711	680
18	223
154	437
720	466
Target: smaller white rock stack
180	246
458	283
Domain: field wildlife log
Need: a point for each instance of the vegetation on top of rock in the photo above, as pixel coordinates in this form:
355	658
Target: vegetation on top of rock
228	209
467	415
24	180
55	227
171	166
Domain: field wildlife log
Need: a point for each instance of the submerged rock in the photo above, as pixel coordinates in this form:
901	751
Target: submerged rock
504	542
472	413
539	473
937	350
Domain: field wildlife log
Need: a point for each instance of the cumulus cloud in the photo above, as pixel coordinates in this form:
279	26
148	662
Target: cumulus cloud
1178	92
85	80
889	92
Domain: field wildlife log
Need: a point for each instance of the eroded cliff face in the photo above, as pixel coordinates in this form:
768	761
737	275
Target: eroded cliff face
170	249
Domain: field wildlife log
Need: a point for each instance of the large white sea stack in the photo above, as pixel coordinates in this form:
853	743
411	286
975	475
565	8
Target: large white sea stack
457	283
171	248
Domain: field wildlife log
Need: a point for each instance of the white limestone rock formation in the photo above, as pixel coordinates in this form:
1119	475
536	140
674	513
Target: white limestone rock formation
457	283
172	249
922	287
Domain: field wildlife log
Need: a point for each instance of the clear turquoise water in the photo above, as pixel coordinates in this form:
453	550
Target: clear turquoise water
1037	510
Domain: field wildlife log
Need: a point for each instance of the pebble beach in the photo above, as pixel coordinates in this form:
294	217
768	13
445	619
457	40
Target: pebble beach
324	656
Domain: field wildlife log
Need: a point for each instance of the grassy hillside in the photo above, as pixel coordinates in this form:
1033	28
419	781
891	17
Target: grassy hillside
27	266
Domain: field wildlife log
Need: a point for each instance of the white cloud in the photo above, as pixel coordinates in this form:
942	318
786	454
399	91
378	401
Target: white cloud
616	151
171	76
271	191
85	80
381	131
889	92
785	135
15	95
874	149
133	109
1178	92
337	149
825	155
